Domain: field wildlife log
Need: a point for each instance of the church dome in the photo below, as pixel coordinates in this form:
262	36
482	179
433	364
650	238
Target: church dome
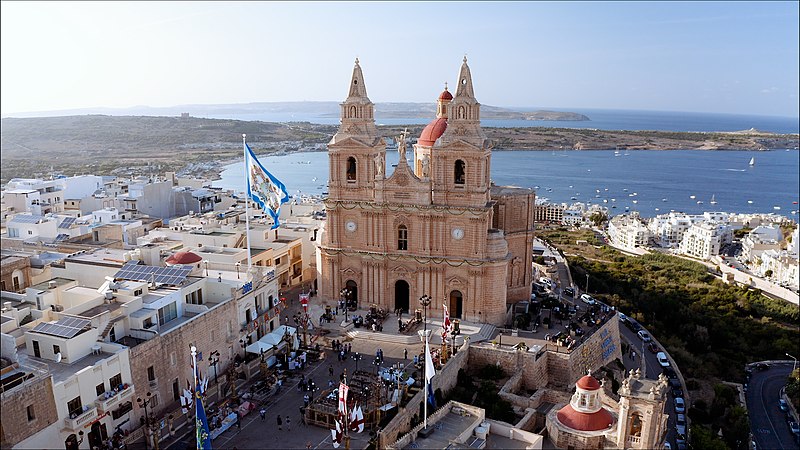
445	95
589	383
432	132
183	258
581	421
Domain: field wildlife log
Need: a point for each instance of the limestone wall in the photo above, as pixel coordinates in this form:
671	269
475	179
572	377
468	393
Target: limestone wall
17	425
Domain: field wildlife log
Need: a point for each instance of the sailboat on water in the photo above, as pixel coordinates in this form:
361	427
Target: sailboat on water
752	161
713	200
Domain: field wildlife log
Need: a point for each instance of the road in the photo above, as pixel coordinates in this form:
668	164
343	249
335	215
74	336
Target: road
767	421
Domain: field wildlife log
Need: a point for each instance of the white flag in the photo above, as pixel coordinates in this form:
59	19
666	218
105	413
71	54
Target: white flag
430	371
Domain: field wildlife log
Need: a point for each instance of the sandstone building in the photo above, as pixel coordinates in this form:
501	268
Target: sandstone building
435	226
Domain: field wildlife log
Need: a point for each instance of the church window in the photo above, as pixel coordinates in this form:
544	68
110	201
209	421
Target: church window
636	425
462	112
351	169
459	173
402	237
583	400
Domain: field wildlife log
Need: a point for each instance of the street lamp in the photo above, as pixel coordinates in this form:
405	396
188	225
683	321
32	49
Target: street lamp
238	264
205	262
425	301
794	366
143	403
213	360
345	293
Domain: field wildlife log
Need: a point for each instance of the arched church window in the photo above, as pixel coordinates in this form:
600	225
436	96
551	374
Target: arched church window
459	173
636	425
351	169
402	237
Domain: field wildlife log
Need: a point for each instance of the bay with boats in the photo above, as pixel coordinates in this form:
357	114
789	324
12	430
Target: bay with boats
650	182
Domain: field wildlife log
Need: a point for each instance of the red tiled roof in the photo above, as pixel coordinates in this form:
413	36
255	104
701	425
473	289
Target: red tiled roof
184	258
445	95
576	420
432	132
589	383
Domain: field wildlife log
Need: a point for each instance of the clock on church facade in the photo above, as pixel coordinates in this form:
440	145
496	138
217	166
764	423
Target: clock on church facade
436	226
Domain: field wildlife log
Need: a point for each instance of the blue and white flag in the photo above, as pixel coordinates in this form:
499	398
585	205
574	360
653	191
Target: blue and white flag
430	371
263	188
203	435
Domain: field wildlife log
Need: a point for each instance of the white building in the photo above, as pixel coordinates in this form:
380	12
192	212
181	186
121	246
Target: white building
760	239
35	196
628	231
704	240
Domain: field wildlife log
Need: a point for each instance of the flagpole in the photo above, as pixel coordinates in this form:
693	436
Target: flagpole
247	205
425	411
193	349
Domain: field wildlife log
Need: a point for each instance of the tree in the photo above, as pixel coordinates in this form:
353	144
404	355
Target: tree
598	218
768	273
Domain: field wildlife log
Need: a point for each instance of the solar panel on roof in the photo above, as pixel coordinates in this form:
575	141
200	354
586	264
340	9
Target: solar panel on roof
174	275
74	322
59	328
27	218
61	237
66	223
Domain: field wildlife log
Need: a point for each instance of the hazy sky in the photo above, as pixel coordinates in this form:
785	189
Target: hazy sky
735	57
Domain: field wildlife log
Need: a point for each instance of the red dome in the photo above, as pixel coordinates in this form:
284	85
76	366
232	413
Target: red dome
432	132
183	258
445	95
588	383
576	420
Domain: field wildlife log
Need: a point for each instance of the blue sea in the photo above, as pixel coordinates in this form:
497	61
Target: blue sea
601	119
659	181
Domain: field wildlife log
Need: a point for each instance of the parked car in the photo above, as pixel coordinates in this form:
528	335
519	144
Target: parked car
586	298
623	318
680	405
677	392
675	383
644	336
795	429
663	361
680	424
569	292
652	347
783	405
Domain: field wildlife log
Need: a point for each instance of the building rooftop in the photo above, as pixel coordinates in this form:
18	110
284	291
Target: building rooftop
59	281
62	371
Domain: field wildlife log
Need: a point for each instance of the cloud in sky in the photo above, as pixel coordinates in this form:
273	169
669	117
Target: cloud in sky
636	55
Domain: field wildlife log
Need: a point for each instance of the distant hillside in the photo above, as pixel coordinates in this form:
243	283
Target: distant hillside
320	109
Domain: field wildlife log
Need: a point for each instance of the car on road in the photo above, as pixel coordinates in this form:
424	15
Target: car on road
680	405
795	429
675	383
569	292
680	424
670	373
586	298
782	403
663	361
680	442
652	347
644	336
677	392
623	318
762	367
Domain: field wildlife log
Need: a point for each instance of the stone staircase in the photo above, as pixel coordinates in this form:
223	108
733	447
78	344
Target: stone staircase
102	336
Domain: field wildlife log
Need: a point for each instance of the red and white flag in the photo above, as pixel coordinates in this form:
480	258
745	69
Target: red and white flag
304	301
446	321
356	420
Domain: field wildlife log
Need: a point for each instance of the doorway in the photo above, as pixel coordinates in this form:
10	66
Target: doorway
98	436
456	304
401	295
352	298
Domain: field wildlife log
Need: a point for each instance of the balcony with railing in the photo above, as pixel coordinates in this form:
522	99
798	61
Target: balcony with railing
75	422
112	399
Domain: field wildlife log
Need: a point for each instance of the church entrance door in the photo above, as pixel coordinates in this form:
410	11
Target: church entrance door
352	299
401	295
456	304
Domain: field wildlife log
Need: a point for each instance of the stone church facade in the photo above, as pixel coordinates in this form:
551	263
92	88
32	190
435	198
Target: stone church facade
436	226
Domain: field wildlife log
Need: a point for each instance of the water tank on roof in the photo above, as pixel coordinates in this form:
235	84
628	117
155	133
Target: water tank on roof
480	432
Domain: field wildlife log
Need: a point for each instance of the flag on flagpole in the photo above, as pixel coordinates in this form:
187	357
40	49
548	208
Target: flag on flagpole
446	322
201	420
263	188
430	371
304	301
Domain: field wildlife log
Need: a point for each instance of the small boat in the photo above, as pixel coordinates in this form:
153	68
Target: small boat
750	202
573	198
664	199
753	161
776	208
699	202
605	200
635	201
657	209
613	206
713	200
692	197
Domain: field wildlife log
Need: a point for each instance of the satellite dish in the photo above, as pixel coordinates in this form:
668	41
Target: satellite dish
58	357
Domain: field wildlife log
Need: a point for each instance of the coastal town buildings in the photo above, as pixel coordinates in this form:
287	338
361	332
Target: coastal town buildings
628	231
704	239
436	226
